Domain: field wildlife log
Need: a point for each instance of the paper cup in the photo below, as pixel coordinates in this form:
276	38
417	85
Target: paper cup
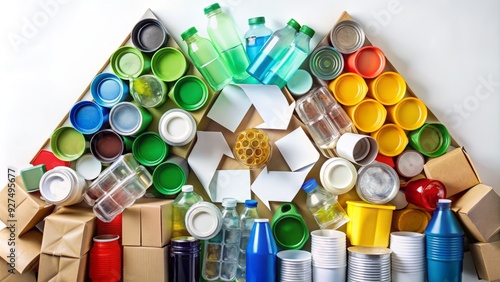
321	274
67	144
189	93
177	127
419	276
338	175
169	64
129	119
128	62
88	117
370	225
368	62
107	90
391	139
357	148
368	116
388	88
149	35
410	113
149	149
348	89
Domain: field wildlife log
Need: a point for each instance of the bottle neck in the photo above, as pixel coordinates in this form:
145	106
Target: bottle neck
191	38
214	12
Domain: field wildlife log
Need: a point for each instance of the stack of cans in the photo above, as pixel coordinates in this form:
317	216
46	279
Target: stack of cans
368	264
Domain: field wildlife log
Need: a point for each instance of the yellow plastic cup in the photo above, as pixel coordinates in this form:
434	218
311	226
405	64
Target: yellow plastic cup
349	88
391	139
411	220
388	88
410	113
370	225
368	115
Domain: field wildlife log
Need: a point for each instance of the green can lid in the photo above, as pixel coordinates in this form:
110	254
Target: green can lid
127	62
189	32
257	20
307	30
168	178
190	93
67	143
293	23
168	64
211	8
149	149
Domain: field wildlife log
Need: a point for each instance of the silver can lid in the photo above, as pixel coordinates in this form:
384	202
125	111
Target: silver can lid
347	36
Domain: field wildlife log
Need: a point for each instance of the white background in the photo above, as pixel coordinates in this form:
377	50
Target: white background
448	52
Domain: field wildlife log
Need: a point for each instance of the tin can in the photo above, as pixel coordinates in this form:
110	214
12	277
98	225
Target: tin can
347	37
326	63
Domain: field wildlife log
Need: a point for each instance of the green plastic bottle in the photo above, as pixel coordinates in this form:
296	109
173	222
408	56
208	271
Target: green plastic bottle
226	39
298	51
206	59
181	204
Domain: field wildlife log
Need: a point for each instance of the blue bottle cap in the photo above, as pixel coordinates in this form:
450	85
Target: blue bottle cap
309	185
107	89
87	117
251	203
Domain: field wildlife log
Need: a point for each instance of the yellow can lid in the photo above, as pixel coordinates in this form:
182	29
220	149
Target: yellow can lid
349	88
410	113
391	139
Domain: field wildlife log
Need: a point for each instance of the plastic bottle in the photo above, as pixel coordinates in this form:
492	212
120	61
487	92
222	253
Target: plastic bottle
256	36
231	239
247	218
181	204
275	47
280	73
327	212
226	39
444	240
206	59
261	253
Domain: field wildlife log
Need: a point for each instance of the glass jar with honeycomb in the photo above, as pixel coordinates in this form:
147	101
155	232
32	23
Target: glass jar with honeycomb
252	148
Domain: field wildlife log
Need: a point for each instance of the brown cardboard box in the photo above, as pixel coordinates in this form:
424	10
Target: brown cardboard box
147	223
7	276
69	232
26	247
486	257
479	211
145	264
454	169
30	209
55	268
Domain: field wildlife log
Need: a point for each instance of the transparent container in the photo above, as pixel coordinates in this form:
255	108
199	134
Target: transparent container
148	90
181	205
117	187
256	36
247	218
252	148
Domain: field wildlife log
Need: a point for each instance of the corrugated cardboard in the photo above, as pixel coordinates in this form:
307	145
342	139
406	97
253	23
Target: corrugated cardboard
454	169
27	249
479	211
6	276
30	209
147	223
69	232
55	268
486	257
145	264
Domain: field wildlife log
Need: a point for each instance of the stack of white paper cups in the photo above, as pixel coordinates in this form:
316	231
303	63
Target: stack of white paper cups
408	257
328	249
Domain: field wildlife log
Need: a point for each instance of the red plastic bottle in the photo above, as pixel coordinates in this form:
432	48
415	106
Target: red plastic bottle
425	193
105	259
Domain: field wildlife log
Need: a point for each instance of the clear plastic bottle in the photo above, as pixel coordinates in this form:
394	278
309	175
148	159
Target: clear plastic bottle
275	47
223	33
256	36
280	73
247	218
206	59
181	204
327	212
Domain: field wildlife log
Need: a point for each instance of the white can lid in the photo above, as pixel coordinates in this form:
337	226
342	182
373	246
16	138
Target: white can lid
177	127
88	166
338	175
203	220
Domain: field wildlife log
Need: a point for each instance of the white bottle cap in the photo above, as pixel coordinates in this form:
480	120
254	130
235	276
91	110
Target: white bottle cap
338	175
177	127
229	202
187	188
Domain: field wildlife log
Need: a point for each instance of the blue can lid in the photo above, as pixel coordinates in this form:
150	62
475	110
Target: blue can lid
107	89
87	117
309	185
251	203
125	118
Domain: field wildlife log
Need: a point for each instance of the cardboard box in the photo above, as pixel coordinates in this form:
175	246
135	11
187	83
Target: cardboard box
30	209
69	232
454	169
26	249
479	211
7	276
55	268
486	256
145	264
147	223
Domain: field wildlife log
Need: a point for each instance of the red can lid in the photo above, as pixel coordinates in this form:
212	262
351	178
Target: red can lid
49	159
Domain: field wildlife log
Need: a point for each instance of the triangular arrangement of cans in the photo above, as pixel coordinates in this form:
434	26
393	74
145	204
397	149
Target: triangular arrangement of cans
368	212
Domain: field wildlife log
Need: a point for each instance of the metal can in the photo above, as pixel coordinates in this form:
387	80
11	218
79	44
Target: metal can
326	63
347	36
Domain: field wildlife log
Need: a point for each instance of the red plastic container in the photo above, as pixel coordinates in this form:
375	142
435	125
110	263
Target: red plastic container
368	62
425	193
49	159
111	228
105	259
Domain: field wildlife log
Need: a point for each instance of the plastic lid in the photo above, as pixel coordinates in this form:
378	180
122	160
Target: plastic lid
190	93
432	139
127	62
125	118
349	89
107	89
257	20
187	188
203	220
49	159
177	127
88	166
87	117
168	178
338	175
369	115
149	149
168	64
106	145
388	88
369	61
189	32
211	8
57	185
391	139
67	144
251	203
444	201
410	113
229	202
410	163
307	30
300	82
293	23
309	185
377	183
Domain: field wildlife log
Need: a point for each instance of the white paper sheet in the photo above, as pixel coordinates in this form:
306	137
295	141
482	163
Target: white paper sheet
230	183
297	149
230	107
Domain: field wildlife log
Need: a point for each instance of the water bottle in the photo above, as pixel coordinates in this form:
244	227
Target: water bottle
261	253
256	36
181	204
231	234
273	49
324	206
226	39
206	59
280	73
444	240
247	217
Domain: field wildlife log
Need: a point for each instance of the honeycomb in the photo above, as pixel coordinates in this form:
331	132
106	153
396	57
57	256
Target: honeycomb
252	148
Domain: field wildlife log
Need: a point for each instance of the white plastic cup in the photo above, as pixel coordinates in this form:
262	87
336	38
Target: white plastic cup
357	148
338	176
419	276
321	274
62	186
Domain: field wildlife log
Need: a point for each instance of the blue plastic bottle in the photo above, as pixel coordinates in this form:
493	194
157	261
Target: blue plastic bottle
275	47
256	36
444	240
261	253
280	73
